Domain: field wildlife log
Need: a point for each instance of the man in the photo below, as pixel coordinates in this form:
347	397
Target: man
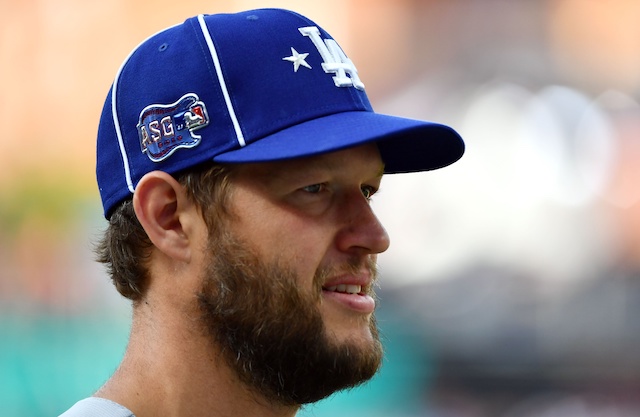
236	158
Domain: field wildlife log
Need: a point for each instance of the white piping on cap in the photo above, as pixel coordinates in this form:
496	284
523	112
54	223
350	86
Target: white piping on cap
114	113
223	85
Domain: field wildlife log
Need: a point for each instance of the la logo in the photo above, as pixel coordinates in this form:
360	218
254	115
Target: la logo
335	60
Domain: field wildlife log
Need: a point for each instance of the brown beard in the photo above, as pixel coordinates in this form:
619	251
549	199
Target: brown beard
272	333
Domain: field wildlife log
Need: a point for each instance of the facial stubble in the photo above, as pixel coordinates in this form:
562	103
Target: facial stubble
271	331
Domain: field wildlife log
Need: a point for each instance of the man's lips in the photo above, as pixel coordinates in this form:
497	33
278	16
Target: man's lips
350	291
349	283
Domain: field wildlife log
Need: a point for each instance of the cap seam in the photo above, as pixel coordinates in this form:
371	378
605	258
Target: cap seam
221	80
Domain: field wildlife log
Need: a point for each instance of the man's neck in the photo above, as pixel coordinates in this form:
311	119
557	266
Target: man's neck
171	369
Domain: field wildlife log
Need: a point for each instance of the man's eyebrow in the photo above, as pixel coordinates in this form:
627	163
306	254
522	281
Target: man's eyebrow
312	166
331	164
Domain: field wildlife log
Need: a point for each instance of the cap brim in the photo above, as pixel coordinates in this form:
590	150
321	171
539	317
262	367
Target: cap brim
406	145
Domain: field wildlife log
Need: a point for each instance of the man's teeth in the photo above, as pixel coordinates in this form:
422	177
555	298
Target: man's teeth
349	289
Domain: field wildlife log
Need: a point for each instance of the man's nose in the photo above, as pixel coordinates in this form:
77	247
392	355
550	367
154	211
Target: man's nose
361	230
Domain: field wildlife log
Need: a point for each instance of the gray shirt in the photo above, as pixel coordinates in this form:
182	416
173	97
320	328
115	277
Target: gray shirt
97	407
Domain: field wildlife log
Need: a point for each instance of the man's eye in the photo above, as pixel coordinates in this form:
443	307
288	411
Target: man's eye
368	191
314	188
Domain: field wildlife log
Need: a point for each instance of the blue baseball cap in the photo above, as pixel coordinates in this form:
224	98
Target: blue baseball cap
261	85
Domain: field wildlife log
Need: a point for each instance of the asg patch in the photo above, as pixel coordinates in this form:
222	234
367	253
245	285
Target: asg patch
164	128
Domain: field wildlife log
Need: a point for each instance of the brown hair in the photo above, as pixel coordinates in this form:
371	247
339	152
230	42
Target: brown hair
125	246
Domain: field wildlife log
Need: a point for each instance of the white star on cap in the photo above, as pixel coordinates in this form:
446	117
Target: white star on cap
297	59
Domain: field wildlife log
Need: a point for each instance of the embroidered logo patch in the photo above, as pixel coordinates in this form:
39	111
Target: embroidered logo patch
335	61
164	128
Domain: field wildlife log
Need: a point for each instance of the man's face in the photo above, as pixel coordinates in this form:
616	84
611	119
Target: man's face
288	292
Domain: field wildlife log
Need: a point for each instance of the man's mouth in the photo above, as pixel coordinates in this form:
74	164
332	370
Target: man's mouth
345	288
353	297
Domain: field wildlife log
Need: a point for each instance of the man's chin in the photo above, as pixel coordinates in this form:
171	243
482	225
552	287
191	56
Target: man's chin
358	337
355	329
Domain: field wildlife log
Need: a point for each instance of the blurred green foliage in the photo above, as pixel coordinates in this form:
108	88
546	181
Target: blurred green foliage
54	200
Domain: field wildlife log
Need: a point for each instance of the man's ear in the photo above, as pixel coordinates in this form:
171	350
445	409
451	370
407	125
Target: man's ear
162	207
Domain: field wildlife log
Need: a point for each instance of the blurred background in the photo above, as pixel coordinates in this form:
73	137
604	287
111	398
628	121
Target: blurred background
512	286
